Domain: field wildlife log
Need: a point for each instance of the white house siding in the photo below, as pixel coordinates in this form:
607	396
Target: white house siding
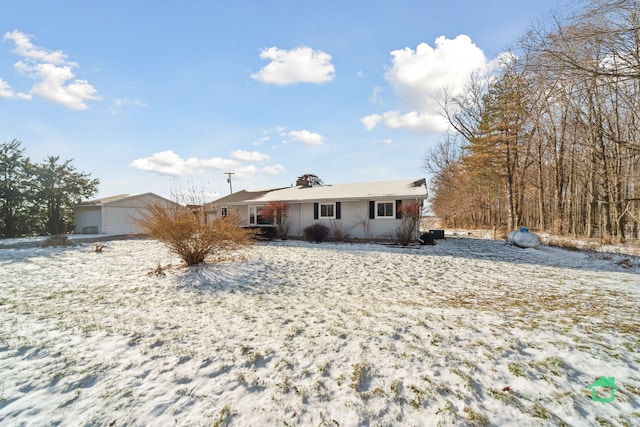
349	221
116	216
120	220
87	217
353	220
294	220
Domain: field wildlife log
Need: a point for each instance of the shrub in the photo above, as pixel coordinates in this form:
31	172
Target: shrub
190	238
276	213
316	232
338	232
406	230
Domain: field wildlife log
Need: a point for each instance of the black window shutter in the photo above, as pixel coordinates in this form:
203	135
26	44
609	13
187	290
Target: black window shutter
372	209
398	209
337	210
315	211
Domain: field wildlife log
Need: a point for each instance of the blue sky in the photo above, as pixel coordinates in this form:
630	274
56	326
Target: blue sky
167	96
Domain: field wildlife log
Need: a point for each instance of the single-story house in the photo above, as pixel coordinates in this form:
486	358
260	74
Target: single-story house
116	214
368	210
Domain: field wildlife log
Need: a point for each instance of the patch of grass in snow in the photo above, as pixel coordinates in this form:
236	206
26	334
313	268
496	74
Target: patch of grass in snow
473	367
223	416
551	364
436	339
466	378
371	394
320	389
507	397
249	379
631	388
135	339
539	411
294	332
604	422
359	377
396	388
634	416
517	369
418	397
284	385
284	364
476	418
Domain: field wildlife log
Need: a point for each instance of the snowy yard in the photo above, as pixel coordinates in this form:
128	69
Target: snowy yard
467	332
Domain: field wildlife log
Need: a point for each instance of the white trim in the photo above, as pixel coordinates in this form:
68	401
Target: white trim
333	208
393	209
254	216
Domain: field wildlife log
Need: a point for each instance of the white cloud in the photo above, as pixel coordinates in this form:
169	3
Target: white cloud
262	140
422	122
418	77
274	170
249	156
250	171
169	163
306	137
369	122
5	90
383	141
375	97
27	50
56	80
245	172
119	104
216	163
299	65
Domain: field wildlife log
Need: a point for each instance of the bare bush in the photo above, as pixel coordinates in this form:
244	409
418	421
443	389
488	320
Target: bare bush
406	230
190	238
365	223
338	232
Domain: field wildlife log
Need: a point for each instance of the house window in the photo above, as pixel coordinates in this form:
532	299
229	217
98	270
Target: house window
224	211
254	216
327	210
385	210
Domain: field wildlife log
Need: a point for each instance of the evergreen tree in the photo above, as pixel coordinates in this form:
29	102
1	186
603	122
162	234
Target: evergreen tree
59	187
15	187
501	146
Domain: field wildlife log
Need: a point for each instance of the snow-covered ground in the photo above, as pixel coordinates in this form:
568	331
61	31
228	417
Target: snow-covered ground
467	332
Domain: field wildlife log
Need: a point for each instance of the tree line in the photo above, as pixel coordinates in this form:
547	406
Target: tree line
552	140
38	198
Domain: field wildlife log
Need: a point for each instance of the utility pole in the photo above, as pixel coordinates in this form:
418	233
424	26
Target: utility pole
229	180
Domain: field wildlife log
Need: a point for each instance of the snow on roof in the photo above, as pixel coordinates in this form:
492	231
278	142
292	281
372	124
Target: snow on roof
104	200
111	199
244	195
406	188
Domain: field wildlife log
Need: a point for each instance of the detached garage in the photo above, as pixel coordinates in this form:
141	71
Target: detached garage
115	215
